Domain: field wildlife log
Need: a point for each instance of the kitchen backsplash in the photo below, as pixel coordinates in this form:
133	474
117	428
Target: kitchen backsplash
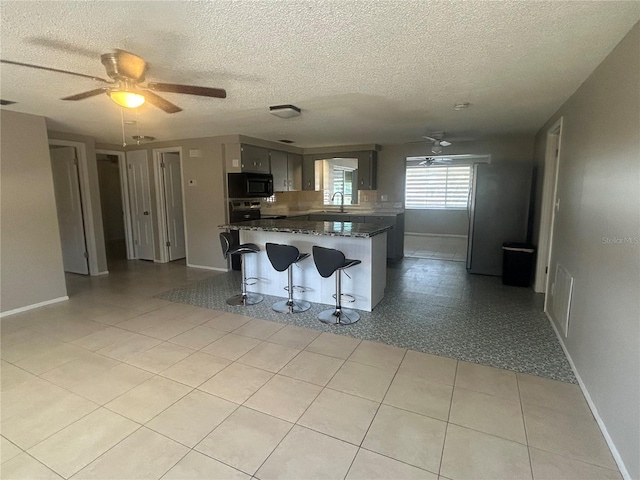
283	203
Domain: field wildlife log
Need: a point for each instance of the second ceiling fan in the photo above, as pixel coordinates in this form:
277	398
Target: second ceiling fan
127	72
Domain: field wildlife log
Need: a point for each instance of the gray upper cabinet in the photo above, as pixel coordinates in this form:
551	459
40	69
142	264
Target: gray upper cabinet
279	171
294	171
255	159
286	169
367	170
308	172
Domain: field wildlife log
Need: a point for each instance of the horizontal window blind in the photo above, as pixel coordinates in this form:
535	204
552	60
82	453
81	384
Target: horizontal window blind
437	186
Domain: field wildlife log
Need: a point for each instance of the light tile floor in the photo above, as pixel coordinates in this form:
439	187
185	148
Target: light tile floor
97	387
436	246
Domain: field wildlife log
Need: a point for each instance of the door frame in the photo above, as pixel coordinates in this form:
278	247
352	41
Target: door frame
126	204
85	199
547	219
161	204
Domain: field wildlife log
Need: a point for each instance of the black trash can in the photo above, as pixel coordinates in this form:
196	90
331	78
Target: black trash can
517	264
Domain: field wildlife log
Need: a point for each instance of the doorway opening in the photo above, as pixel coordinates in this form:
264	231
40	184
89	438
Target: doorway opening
170	203
112	205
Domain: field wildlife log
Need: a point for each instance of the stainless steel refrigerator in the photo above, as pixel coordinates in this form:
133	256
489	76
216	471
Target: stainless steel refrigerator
498	213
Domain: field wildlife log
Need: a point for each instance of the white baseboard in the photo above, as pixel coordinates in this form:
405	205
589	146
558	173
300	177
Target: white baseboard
592	406
31	307
217	269
415	234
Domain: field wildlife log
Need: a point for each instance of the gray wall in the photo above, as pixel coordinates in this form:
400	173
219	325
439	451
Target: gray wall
205	204
437	222
599	192
32	270
391	176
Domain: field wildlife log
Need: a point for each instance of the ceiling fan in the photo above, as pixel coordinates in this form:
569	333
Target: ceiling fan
429	161
438	142
127	72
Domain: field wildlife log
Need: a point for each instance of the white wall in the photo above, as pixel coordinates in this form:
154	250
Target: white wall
32	270
599	192
391	177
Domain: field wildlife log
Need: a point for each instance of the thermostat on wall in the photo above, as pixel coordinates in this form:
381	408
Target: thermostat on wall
194	153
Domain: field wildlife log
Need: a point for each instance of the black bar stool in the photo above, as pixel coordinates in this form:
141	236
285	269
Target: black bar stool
283	257
327	261
230	247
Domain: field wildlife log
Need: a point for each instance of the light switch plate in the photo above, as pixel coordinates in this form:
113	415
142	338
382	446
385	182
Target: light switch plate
235	162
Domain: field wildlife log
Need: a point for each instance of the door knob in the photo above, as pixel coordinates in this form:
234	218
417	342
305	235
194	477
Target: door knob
145	213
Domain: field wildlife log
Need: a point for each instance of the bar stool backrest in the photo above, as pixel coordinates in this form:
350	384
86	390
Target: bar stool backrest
226	241
281	256
327	260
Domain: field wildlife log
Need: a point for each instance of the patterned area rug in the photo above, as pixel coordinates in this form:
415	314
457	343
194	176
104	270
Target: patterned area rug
487	323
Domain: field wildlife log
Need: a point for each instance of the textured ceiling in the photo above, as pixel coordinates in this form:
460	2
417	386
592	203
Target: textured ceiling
361	71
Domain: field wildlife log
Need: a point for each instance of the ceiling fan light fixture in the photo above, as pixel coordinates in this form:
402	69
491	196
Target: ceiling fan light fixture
126	99
285	111
436	148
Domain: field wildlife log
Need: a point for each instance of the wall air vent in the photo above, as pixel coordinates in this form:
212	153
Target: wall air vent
561	293
286	141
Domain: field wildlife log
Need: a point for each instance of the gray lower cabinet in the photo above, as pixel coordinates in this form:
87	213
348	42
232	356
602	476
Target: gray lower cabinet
395	236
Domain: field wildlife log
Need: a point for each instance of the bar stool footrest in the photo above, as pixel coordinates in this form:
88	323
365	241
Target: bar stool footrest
345	297
251	281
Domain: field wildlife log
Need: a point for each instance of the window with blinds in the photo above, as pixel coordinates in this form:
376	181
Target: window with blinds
437	186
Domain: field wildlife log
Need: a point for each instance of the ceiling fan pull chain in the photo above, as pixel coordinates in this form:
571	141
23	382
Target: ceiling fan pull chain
124	141
138	126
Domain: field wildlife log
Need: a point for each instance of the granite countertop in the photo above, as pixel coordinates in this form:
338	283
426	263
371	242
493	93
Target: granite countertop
333	229
350	211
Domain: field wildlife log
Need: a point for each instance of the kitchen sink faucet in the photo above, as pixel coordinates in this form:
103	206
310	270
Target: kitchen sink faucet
341	200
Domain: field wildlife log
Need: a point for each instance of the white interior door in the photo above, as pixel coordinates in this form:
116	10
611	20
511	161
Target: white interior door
174	214
140	200
64	165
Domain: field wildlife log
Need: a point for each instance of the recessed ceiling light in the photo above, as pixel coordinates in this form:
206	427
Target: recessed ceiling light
143	138
461	106
286	141
284	111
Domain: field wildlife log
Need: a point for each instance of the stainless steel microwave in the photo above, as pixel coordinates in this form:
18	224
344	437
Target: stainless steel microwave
249	185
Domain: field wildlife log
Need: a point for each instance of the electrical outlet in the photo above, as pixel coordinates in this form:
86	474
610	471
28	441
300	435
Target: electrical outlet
384	198
366	198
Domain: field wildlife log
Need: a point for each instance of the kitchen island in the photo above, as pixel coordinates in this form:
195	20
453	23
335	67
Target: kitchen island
366	242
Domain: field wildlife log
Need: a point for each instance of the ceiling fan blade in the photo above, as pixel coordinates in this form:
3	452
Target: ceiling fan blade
90	93
188	90
160	102
40	67
431	139
444	143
